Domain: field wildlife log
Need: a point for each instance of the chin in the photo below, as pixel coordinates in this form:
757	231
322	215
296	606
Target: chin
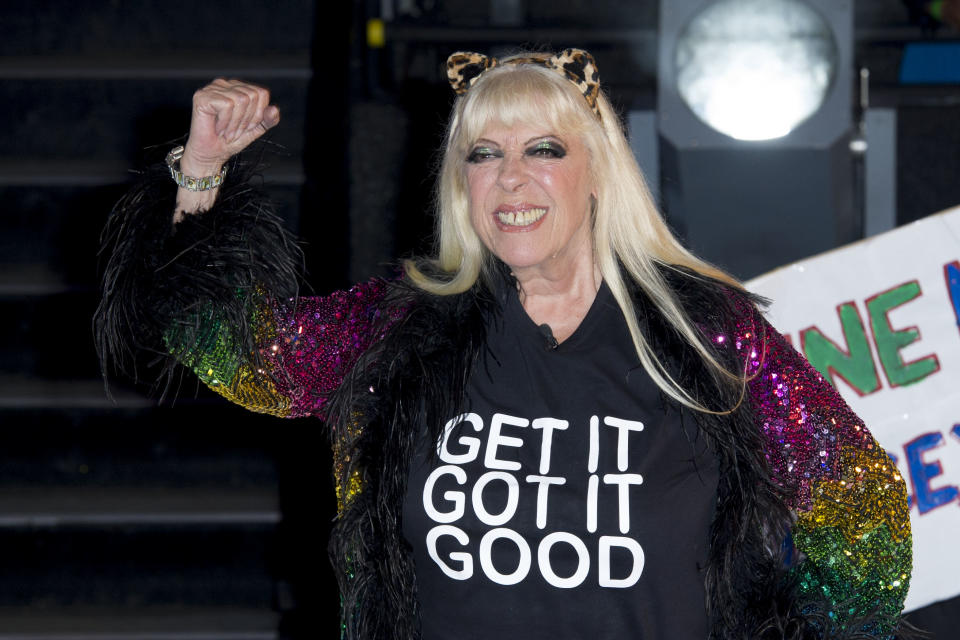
521	260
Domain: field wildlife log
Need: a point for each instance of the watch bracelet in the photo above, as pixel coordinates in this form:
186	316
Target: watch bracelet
191	183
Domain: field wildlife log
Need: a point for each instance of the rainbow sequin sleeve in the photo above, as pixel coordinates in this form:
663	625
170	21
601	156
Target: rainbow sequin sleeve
217	292
852	528
304	349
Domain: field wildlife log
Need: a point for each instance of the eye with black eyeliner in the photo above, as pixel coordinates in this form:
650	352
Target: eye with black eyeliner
547	149
479	154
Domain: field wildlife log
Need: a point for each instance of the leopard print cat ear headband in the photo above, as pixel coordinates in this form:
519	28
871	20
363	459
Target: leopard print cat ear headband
464	68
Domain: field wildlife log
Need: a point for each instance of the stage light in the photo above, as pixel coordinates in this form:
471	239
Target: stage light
755	69
755	116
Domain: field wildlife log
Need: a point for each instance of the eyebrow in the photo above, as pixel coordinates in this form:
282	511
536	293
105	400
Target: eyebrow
487	141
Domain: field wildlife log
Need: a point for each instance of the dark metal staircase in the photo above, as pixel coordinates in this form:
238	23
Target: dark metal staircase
119	518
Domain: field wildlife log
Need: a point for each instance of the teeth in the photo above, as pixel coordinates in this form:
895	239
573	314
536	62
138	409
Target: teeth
521	218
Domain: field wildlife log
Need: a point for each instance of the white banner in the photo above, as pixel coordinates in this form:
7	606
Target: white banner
881	319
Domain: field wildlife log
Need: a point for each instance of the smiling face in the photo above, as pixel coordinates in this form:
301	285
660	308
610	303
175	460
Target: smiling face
530	191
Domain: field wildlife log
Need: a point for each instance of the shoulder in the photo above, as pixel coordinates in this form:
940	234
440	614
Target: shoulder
726	318
425	343
714	307
705	298
422	306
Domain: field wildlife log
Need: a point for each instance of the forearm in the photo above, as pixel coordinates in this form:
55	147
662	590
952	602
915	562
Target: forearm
303	350
159	276
852	528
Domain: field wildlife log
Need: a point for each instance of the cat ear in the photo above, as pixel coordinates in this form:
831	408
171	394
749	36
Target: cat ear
465	67
581	69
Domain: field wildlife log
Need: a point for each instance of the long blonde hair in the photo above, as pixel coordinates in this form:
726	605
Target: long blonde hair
628	229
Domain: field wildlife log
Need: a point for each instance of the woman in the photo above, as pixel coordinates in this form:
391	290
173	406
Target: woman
562	424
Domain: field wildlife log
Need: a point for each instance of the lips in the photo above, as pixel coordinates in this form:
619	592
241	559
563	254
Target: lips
519	218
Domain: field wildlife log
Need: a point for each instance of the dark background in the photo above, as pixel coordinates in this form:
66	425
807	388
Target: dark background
196	519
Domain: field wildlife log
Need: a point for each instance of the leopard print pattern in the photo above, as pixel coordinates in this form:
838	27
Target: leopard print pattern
581	69
464	68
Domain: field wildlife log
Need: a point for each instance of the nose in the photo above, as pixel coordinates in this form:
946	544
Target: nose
512	173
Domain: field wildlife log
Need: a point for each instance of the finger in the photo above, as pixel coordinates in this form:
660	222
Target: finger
240	102
246	97
263	101
271	117
221	107
254	112
212	102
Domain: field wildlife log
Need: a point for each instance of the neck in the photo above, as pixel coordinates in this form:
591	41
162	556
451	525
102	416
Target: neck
561	296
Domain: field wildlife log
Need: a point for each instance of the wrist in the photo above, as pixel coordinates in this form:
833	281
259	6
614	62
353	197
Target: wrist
201	164
195	167
192	182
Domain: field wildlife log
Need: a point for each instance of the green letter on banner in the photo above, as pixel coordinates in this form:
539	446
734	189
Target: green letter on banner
890	341
855	365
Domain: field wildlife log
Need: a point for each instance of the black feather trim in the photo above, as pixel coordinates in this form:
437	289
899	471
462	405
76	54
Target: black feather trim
418	377
166	287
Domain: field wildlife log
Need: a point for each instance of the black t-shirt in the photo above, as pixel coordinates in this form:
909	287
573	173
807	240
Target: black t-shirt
568	501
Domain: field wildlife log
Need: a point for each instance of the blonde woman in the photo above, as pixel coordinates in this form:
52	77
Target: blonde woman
563	424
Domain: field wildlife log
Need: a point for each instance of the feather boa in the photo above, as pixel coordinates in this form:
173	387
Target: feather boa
157	272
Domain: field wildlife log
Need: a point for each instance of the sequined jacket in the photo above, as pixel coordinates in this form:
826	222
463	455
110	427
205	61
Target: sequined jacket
811	537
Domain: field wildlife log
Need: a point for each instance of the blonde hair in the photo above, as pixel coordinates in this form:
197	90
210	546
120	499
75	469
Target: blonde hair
628	229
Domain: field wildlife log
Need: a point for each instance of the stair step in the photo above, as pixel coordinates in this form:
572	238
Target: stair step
23	392
32	279
204	444
69	119
32	506
295	65
172	565
283	170
50	234
145	623
48	341
151	28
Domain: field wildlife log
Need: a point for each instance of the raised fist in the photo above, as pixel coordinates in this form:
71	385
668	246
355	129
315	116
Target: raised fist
227	116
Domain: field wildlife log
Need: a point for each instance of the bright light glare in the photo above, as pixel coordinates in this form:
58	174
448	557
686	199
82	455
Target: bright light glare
755	69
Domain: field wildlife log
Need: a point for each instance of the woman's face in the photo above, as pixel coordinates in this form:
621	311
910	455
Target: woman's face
530	191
